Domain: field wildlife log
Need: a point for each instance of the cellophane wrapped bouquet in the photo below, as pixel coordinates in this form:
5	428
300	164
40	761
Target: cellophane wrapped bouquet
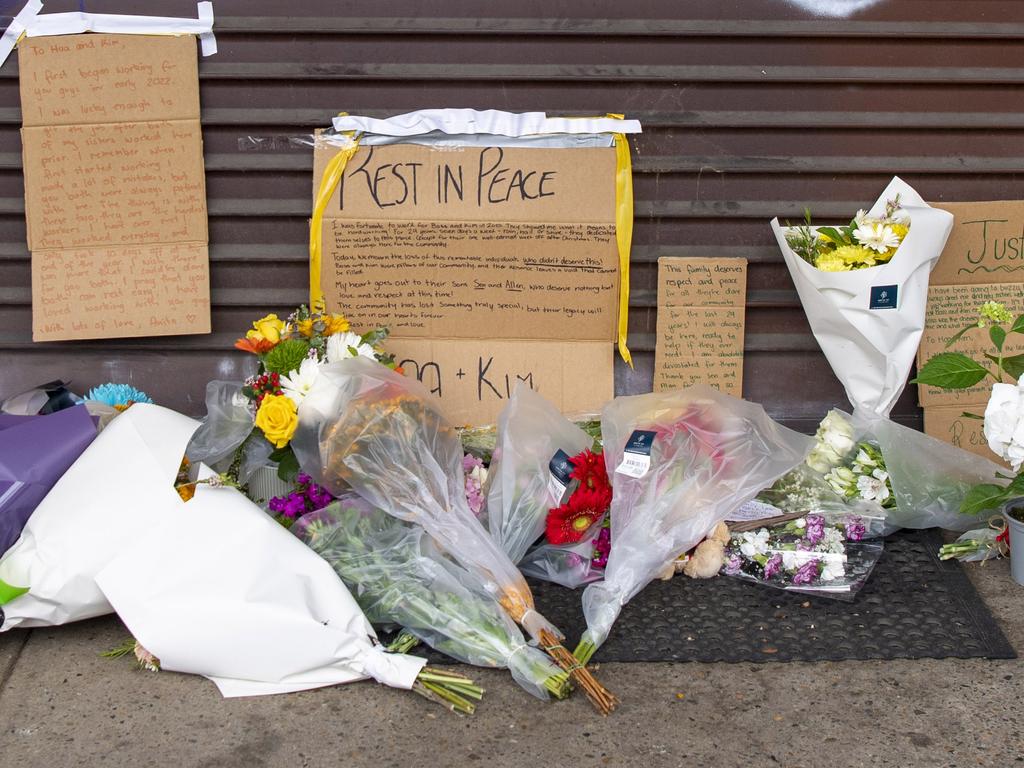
399	577
363	426
680	463
547	486
868	319
822	553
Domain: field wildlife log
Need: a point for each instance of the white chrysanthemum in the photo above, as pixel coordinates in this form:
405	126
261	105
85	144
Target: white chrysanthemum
1004	422
297	384
860	217
342	346
876	236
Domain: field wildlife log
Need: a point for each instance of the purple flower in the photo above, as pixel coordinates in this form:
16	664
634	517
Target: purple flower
303	479
773	566
602	548
277	503
815	530
807	573
733	565
855	529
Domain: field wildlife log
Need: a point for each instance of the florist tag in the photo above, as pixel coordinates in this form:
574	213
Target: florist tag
636	460
558	482
884	297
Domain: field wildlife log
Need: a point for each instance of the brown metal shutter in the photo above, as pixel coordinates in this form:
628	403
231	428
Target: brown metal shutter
751	109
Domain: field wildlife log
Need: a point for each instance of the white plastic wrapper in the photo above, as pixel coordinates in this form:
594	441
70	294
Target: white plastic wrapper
121	486
220	589
523	487
680	462
363	426
399	577
871	349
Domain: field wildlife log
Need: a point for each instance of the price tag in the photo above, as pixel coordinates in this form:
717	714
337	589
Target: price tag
636	458
560	469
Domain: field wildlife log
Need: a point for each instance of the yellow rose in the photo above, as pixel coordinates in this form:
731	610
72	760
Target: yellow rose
277	418
269	328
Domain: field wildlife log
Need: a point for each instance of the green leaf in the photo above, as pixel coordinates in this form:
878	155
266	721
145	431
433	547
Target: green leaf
286	356
951	370
1018	325
1016	487
998	336
983	497
376	337
287	465
969	415
1013	365
833	234
959	334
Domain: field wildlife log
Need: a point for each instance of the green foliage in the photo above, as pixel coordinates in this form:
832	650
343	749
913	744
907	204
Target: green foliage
286	356
287	463
998	336
1013	365
951	370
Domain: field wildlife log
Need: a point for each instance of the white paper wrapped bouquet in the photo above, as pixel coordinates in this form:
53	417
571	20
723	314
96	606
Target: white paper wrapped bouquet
864	288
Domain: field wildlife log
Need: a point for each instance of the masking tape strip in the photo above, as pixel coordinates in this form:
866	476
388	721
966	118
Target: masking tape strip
75	23
331	178
17	27
492	121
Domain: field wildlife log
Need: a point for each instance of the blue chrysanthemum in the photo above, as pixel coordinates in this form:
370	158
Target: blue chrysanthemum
117	394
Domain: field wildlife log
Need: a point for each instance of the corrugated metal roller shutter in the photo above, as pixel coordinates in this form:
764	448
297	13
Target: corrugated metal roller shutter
751	109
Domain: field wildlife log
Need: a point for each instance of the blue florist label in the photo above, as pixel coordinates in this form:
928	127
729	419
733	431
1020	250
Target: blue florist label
560	469
884	296
636	456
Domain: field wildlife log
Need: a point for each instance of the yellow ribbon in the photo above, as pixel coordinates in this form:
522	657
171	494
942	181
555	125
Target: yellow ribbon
623	233
331	178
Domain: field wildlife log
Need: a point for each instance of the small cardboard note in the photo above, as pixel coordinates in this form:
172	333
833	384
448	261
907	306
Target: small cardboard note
700	323
948	423
115	192
510	250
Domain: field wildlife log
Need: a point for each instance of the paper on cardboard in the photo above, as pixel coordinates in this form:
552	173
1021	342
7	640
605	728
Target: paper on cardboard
114	186
983	261
511	249
474	378
701	322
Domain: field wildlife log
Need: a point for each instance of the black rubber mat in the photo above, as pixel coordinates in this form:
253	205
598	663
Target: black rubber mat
913	606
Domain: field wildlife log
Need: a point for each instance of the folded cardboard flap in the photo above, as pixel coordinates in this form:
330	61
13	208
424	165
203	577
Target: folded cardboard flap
474	378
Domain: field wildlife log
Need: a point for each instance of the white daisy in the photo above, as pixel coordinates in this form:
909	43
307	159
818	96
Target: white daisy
298	383
342	346
876	236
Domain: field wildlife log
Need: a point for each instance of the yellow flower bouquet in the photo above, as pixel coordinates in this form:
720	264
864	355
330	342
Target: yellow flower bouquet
866	241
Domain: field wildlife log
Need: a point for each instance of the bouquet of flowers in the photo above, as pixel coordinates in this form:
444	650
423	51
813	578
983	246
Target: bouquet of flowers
817	553
251	424
681	462
254	610
866	241
869	322
365	427
399	577
546	483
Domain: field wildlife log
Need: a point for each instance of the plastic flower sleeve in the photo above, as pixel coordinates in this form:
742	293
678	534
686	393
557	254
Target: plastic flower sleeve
229	421
680	463
246	604
381	434
531	431
365	427
399	577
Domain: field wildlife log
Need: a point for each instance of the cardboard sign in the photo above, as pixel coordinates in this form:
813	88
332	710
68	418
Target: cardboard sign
949	424
700	323
115	192
512	250
475	378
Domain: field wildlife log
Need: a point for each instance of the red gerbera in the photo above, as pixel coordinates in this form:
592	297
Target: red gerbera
570	522
589	469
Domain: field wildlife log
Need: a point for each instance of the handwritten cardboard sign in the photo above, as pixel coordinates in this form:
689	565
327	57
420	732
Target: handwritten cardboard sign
115	193
700	323
510	250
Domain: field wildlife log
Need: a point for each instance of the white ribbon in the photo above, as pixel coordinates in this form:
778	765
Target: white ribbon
17	26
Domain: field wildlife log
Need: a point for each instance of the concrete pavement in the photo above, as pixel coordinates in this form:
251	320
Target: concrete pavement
61	704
